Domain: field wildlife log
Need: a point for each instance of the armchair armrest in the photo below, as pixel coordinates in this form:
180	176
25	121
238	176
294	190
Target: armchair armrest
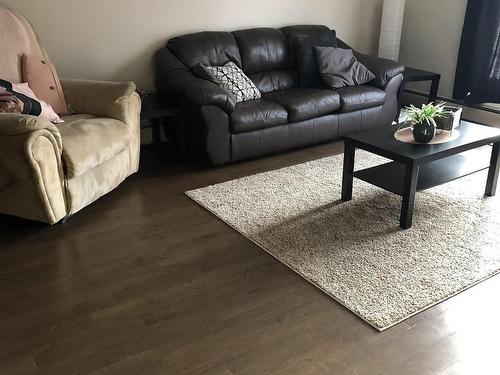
31	170
12	124
384	69
115	100
100	98
173	76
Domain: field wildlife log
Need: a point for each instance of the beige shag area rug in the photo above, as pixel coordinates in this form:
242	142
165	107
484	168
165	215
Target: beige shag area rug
355	251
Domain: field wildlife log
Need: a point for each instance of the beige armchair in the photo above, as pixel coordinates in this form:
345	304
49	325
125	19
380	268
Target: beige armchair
48	171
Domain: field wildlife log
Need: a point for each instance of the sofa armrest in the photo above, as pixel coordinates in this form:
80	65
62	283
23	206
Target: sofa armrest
173	77
100	98
383	69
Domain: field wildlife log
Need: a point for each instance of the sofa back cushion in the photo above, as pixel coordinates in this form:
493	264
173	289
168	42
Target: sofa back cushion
265	55
307	62
266	58
275	80
317	31
263	49
302	39
214	48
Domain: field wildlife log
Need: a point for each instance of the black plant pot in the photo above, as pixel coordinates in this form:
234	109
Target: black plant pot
424	132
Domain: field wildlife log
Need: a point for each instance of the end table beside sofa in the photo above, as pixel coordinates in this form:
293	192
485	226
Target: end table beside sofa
160	113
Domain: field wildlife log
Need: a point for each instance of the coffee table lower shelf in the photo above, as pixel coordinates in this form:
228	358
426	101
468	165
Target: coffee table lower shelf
389	176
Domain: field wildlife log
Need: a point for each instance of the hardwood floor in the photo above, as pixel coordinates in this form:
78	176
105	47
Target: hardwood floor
145	281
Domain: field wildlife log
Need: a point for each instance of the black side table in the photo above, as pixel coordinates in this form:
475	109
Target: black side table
160	113
417	75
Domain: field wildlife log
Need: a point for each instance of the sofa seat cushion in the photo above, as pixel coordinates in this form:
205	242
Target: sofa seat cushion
89	141
256	115
304	104
360	97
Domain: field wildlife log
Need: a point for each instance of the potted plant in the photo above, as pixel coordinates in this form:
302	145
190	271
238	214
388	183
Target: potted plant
423	120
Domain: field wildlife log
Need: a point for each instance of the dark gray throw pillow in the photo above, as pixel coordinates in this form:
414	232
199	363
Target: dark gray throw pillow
339	68
306	58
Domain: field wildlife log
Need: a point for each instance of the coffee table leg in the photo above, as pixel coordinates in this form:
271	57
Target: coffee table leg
347	177
491	183
410	187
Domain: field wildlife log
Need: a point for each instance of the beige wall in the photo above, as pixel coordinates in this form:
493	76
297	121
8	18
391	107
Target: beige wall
116	39
431	38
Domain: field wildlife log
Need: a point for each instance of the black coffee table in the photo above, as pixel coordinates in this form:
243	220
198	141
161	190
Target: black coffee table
417	167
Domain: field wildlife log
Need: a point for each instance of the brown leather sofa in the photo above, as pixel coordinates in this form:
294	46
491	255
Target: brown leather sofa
287	116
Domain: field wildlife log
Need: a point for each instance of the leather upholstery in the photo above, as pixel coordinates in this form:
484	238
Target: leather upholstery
317	130
228	132
391	103
317	31
342	44
208	47
174	78
360	97
257	114
275	80
301	134
216	134
384	69
263	49
304	104
267	58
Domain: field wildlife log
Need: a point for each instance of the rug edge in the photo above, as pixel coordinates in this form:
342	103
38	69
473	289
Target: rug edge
371	324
